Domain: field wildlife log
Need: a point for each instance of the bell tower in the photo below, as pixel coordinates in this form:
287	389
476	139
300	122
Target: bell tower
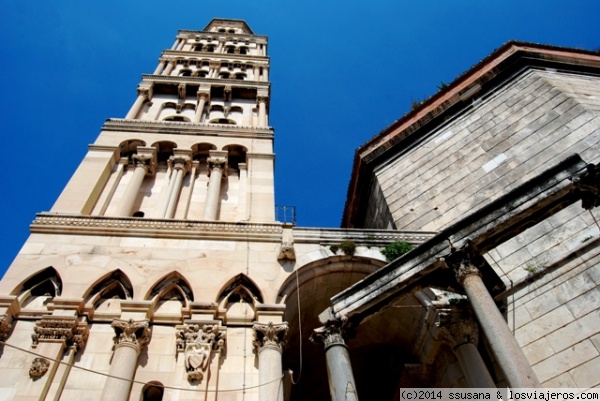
195	145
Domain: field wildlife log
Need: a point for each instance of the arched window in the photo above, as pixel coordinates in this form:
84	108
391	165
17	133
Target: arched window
185	73
226	121
224	75
240	75
176	118
40	289
239	298
230	49
153	391
243	50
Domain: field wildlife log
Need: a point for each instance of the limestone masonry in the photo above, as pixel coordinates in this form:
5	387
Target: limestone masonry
163	273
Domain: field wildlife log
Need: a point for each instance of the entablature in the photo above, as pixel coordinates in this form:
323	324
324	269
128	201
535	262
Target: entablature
360	236
222	36
187	128
249	58
235	83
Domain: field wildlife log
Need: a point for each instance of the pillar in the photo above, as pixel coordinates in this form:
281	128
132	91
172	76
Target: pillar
462	336
181	44
130	337
119	174
202	99
143	96
159	69
268	342
181	165
508	353
145	163
217	162
342	386
195	166
262	111
170	65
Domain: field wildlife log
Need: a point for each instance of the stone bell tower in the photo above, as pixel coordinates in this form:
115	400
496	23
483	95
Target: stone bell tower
196	143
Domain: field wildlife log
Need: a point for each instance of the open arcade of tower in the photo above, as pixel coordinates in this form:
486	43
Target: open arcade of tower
163	272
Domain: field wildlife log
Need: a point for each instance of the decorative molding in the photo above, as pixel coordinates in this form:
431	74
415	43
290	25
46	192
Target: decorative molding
198	342
131	332
186	128
269	335
52	328
39	367
154	228
236	83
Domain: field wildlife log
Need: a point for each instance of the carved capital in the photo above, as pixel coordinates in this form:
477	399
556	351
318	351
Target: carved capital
181	90
5	327
38	368
146	159
181	162
203	95
145	92
70	330
464	262
269	335
217	159
199	343
333	333
587	186
262	99
131	331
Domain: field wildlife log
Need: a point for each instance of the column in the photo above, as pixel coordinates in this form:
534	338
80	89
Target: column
202	99
160	67
145	163
119	174
170	65
507	351
342	386
176	44
262	111
130	337
265	74
143	96
195	166
462	336
217	162
181	165
268	342
181	44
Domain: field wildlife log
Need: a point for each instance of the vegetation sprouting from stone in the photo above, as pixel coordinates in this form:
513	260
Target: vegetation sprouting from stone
348	247
395	250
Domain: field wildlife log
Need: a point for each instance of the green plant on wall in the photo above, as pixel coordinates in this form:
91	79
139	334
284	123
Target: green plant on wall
348	247
395	250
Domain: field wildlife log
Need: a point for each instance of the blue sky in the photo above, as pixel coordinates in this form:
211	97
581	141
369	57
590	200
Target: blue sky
341	71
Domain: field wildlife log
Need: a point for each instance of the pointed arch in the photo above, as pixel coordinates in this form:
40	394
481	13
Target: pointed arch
39	288
112	285
172	286
240	287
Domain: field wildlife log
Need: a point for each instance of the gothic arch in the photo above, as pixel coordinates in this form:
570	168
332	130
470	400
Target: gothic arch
170	296
237	300
39	288
113	285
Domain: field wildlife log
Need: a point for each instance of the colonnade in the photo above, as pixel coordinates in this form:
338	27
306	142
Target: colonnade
203	98
167	65
144	163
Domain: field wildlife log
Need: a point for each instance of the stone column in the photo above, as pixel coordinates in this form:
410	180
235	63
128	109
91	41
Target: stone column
181	44
145	163
507	351
462	336
342	386
181	165
170	65
143	96
265	74
202	99
119	174
262	111
217	162
175	44
159	69
130	337
268	343
195	166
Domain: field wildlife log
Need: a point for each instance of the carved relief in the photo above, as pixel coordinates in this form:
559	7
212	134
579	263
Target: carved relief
39	367
5	327
72	331
131	331
198	343
269	334
457	331
333	333
286	251
464	262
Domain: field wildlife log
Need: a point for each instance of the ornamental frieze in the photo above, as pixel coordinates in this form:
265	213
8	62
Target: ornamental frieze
72	331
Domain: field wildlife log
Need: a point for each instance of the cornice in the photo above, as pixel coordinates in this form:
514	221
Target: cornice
222	35
213	55
51	223
186	128
168	79
364	236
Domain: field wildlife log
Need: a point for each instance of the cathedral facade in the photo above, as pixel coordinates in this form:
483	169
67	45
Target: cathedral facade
163	272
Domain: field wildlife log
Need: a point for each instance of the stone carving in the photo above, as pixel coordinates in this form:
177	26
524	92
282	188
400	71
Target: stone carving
72	331
333	333
5	327
39	367
270	335
131	331
217	162
145	92
198	343
286	251
456	331
465	261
